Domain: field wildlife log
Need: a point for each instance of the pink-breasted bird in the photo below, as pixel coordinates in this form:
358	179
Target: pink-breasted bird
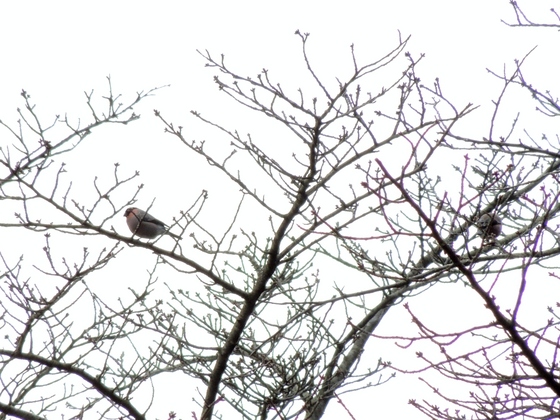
489	226
144	225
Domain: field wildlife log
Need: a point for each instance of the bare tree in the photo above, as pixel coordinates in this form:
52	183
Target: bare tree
333	217
508	366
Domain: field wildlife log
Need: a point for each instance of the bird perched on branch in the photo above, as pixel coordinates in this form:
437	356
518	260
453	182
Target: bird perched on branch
144	225
489	226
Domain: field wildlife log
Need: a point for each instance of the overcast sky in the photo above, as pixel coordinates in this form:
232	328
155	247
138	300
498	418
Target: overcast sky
57	50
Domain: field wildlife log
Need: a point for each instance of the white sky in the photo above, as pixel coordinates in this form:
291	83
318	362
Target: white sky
57	50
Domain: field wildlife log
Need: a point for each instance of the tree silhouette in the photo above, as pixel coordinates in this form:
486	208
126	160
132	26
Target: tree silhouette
508	363
325	222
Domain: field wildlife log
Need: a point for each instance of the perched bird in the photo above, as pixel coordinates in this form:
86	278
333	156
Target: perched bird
144	225
489	226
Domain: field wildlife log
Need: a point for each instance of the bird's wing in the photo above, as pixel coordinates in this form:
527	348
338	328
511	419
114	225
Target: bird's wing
151	219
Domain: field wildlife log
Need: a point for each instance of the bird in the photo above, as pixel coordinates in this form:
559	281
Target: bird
489	226
144	225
